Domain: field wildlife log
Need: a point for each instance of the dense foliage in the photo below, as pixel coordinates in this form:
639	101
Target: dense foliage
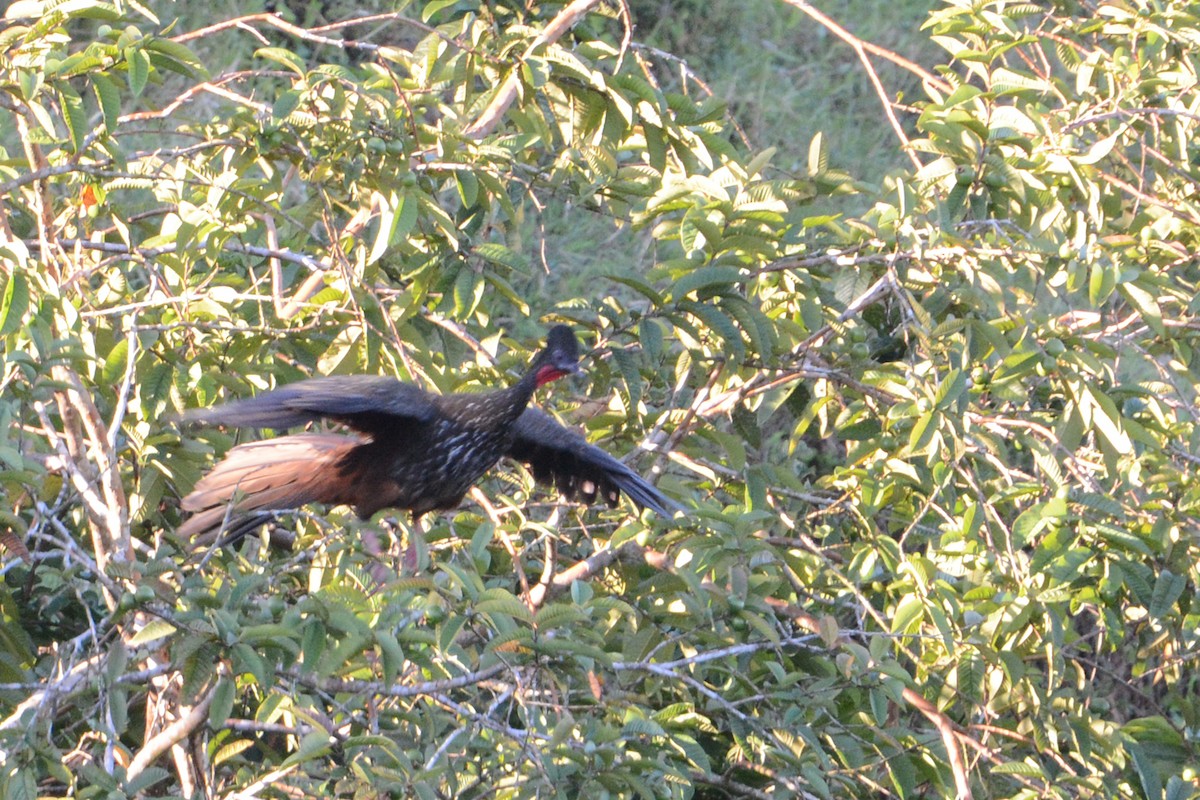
939	457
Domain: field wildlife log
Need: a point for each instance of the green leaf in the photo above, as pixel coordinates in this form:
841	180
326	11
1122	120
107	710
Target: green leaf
118	708
558	615
269	633
283	57
468	188
15	304
231	750
760	161
313	745
501	255
650	334
155	389
155	629
74	114
468	290
345	354
387	219
175	56
904	775
631	378
1168	588
719	323
950	389
108	95
703	278
19	784
115	364
1146	304
285	104
639	286
1107	420
909	614
431	8
923	431
496	601
757	326
1102	281
818	155
116	661
656	147
312	643
600	160
139	69
391	655
222	703
246	661
198	667
1122	539
145	779
641	726
1147	772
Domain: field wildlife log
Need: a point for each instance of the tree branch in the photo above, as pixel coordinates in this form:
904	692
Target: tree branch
162	741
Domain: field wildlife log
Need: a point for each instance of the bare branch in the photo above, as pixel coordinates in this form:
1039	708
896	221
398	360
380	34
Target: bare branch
161	742
109	518
949	733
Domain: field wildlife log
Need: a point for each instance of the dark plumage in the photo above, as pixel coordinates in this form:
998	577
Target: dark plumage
415	450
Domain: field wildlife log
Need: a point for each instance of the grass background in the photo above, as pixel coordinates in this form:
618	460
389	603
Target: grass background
785	77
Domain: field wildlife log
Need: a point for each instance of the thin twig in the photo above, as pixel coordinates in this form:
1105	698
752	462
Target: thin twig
949	733
873	49
131	346
151	252
424	688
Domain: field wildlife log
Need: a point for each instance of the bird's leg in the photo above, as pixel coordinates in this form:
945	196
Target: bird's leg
410	538
415	546
381	541
371	544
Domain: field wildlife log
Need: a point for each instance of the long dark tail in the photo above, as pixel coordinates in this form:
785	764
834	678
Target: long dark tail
257	478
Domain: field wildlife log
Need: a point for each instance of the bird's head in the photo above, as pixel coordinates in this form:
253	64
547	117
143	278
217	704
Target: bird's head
559	358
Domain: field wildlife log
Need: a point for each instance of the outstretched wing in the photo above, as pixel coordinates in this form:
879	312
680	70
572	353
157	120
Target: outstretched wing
563	457
365	403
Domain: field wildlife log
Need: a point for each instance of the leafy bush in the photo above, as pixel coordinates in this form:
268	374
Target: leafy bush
939	456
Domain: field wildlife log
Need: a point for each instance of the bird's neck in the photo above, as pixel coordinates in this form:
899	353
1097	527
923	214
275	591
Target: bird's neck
491	410
502	407
517	396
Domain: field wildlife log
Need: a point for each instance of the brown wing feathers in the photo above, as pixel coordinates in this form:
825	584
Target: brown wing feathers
280	473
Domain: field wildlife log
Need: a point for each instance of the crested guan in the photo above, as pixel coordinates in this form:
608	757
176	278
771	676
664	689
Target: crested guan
414	450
